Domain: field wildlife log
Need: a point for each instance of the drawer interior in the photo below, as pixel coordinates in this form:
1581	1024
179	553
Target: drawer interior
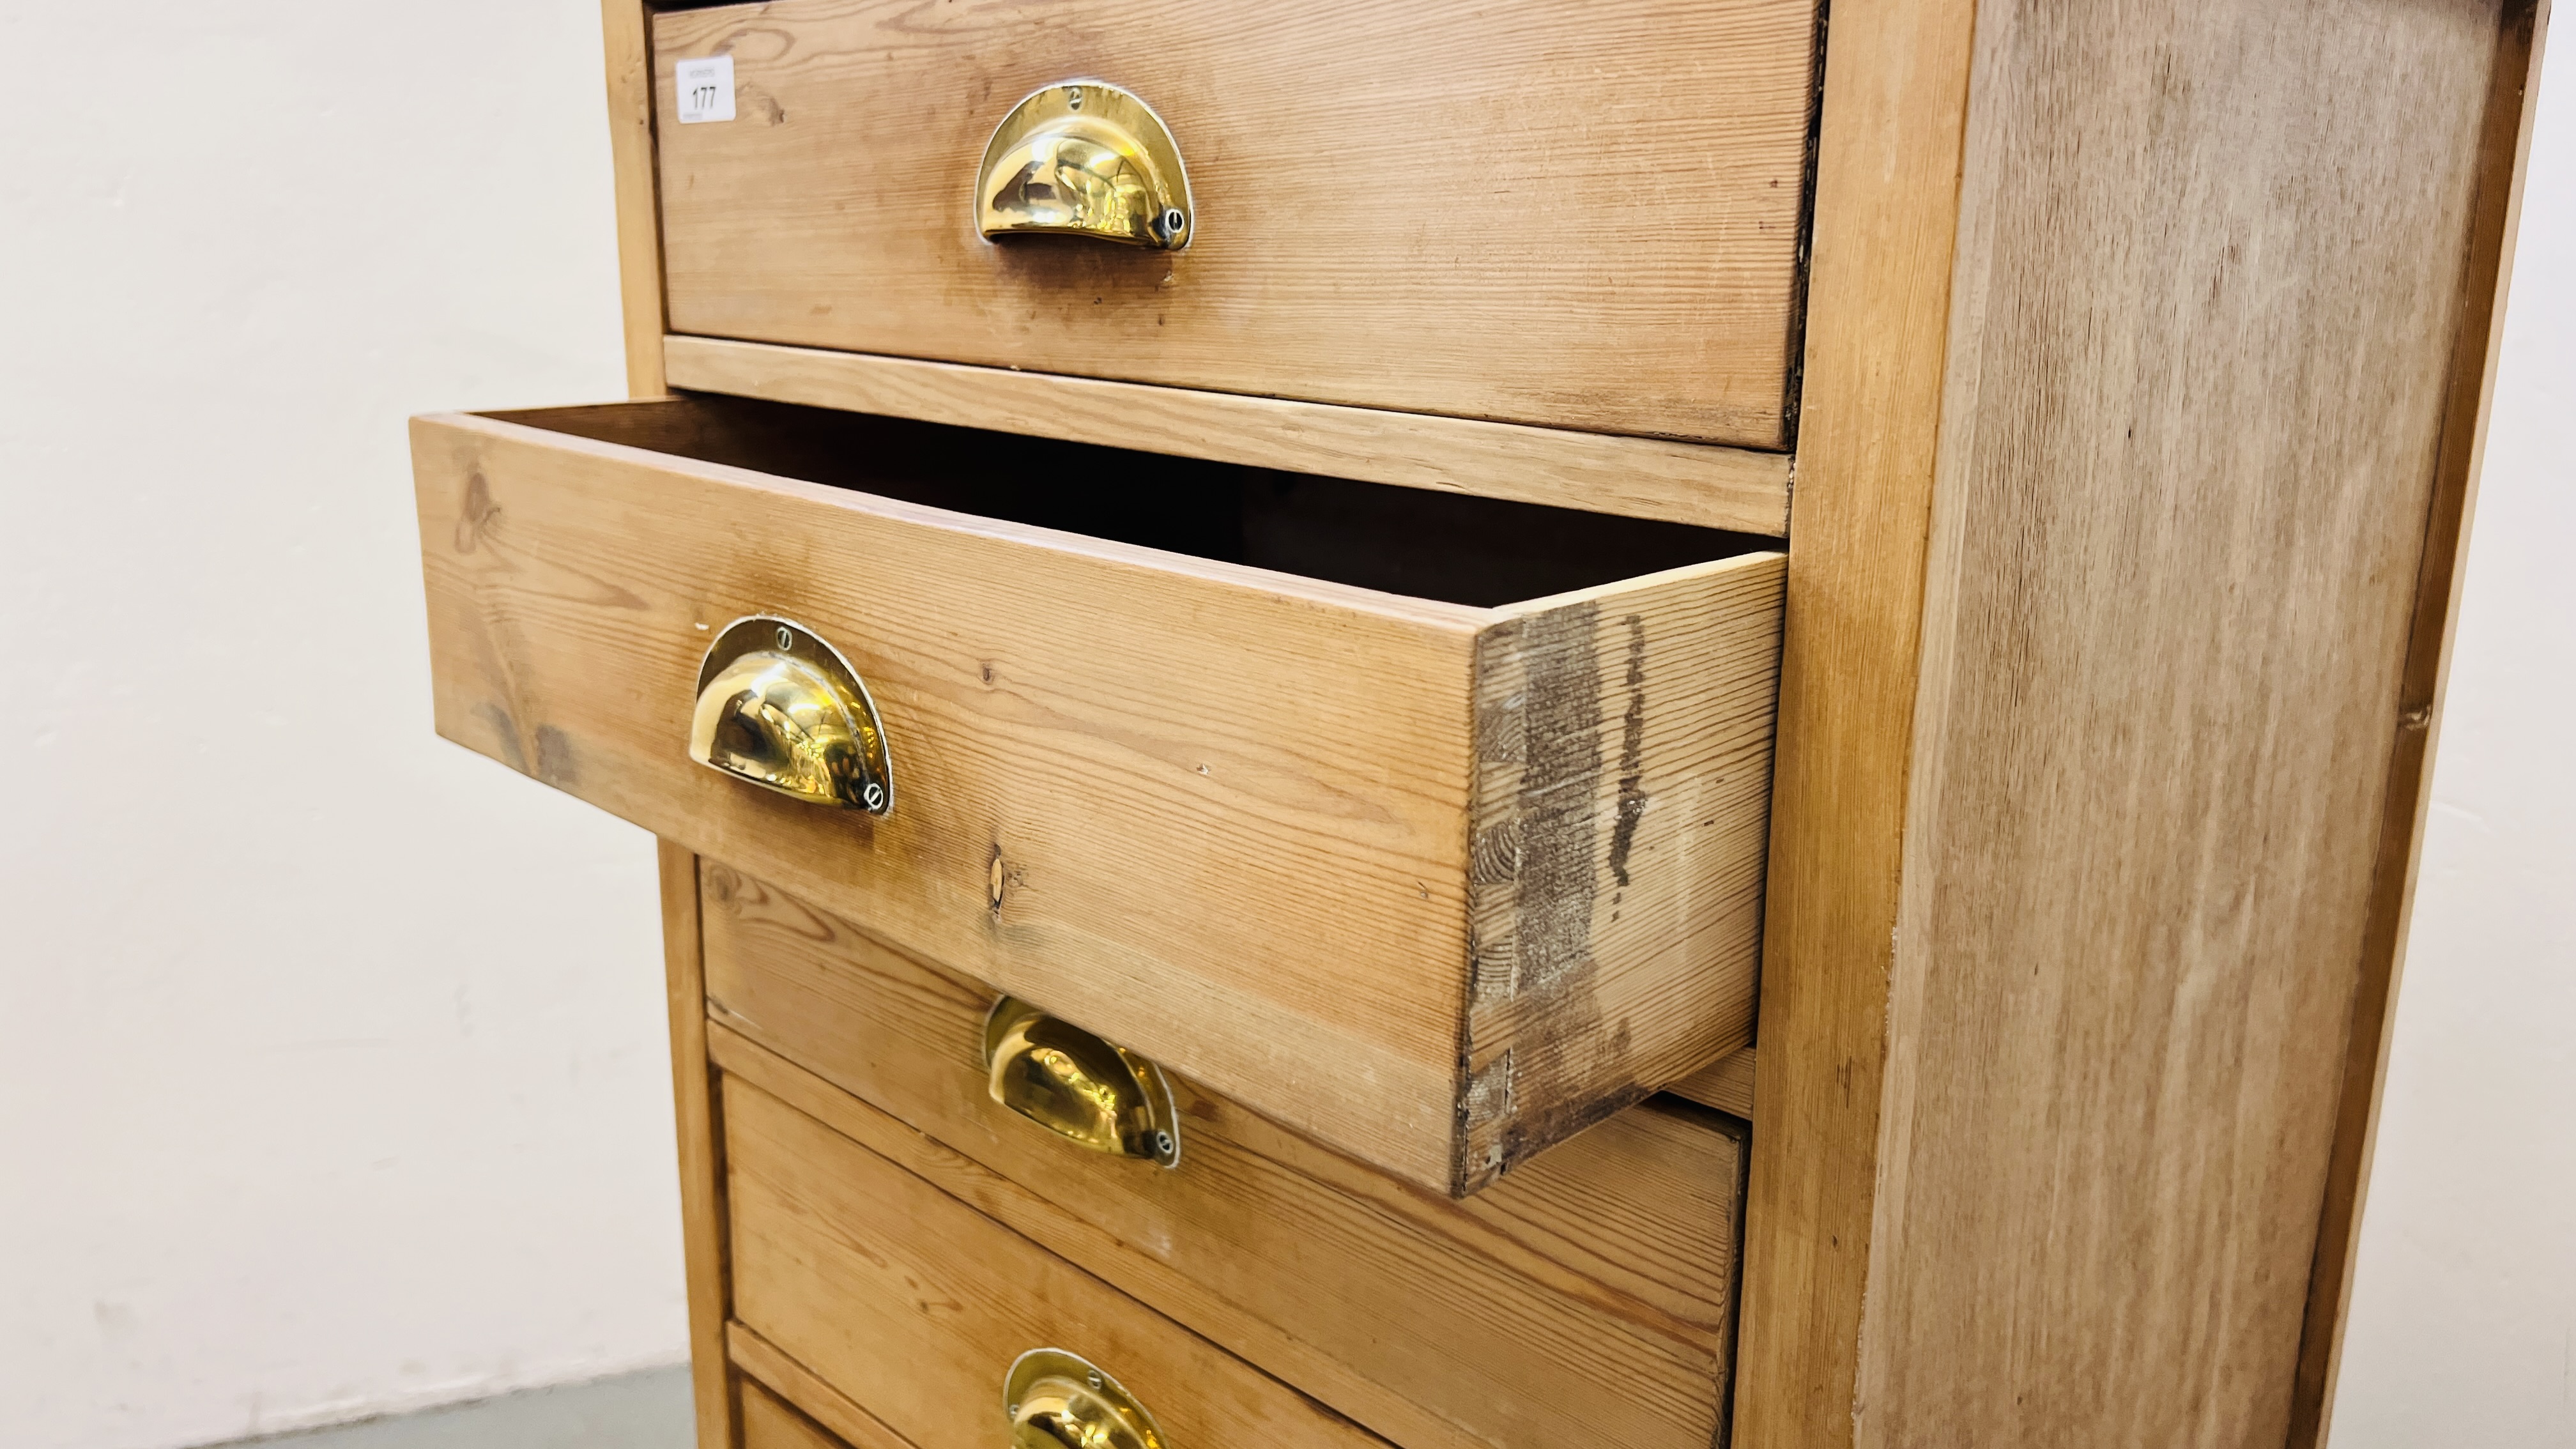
1453	547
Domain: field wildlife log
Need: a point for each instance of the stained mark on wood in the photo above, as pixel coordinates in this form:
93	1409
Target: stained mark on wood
1533	1131
1493	849
1632	753
505	731
1535	857
1486	1100
543	751
1561	740
717	882
477	512
555	763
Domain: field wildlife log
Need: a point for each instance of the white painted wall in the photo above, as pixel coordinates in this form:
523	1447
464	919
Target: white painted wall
332	1071
2463	1328
334	1075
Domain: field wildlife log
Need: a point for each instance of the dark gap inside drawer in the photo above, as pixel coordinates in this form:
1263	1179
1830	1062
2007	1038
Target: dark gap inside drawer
1450	546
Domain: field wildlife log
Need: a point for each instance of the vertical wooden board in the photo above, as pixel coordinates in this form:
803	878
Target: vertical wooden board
702	1227
2504	149
1623	752
1896	77
627	45
2207	288
915	1306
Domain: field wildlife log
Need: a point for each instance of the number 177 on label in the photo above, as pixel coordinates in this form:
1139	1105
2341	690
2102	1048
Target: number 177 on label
706	89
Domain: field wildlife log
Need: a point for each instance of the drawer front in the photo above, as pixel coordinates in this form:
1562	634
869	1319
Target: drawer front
1585	1301
1574	216
1437	884
914	1306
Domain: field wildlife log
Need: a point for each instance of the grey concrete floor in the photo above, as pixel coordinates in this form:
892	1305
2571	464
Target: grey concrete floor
635	1411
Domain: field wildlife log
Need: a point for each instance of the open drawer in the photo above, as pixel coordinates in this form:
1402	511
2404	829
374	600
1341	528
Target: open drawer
1430	825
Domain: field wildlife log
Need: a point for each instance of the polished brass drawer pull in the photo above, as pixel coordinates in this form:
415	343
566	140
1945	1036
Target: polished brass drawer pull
1079	1087
782	709
1085	158
1058	1400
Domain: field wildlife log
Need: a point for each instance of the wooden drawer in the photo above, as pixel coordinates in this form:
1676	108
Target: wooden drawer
1584	1301
1435	876
913	1306
1582	217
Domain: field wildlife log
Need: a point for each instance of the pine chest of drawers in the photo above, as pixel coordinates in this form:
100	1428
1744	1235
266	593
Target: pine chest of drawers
1263	639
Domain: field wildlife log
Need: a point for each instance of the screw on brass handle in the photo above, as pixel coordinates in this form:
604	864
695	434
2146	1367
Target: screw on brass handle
1085	158
1079	1087
782	709
1058	1400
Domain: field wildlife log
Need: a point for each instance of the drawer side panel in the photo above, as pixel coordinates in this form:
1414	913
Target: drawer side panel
1623	783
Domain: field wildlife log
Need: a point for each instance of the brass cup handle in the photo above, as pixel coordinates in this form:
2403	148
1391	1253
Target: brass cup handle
1078	1086
1059	1400
782	709
1085	158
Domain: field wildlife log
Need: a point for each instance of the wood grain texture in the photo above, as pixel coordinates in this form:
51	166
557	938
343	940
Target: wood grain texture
770	1422
1896	78
2504	149
1623	750
914	1305
1727	1085
799	1387
702	1221
1717	487
2193	413
1220	810
1051	702
1583	1301
1455	206
624	28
